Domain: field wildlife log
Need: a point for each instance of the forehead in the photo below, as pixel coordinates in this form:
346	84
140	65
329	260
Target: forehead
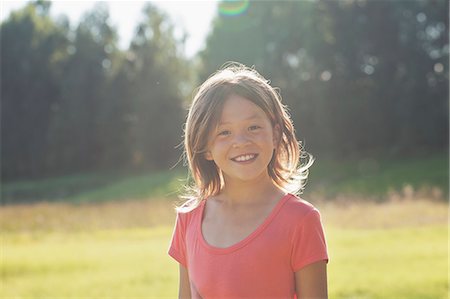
237	109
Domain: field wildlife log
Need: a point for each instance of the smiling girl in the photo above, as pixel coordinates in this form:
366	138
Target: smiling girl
244	233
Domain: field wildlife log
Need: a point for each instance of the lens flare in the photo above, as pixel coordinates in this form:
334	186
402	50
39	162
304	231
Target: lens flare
233	8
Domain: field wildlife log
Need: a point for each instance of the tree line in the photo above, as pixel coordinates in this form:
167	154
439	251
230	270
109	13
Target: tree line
360	78
72	101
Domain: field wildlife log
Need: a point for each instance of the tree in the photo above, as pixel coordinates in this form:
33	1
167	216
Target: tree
78	138
32	48
374	63
150	81
73	102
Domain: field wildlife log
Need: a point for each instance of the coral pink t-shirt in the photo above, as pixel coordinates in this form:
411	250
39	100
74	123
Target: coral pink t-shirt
260	266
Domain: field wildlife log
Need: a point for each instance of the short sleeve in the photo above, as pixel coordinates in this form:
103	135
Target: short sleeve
309	244
177	249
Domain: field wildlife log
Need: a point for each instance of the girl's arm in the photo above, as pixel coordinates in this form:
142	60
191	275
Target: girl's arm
185	289
311	281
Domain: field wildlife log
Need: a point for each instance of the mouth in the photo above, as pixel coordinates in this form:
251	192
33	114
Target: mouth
244	158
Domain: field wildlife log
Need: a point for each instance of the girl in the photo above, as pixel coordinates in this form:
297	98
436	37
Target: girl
242	234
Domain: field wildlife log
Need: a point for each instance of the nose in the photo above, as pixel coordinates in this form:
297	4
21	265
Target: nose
241	139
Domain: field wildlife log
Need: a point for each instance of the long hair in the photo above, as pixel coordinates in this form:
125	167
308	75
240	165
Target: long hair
284	169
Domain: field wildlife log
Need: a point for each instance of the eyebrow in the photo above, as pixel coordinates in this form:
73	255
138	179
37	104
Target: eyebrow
251	117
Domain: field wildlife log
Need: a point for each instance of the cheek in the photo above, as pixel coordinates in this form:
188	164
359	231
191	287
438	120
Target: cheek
221	145
267	139
218	146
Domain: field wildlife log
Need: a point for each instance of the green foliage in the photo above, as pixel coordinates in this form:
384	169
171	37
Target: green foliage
358	76
83	106
73	102
155	71
32	48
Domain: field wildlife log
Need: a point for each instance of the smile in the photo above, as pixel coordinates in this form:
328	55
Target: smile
244	158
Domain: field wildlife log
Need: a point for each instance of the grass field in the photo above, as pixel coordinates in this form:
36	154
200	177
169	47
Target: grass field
106	236
395	249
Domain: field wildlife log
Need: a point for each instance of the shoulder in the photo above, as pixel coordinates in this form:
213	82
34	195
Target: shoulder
298	212
187	213
298	207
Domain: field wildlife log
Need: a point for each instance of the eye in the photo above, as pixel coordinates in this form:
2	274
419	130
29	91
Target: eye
224	133
254	128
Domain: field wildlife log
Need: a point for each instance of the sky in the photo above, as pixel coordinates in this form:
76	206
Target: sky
192	16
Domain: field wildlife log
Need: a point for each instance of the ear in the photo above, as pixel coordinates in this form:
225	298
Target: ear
276	135
208	156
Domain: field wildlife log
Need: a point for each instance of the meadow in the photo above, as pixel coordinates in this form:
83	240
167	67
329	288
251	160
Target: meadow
392	245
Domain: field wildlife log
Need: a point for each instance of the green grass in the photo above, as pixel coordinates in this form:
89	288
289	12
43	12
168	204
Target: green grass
394	263
165	184
367	177
376	177
99	264
94	187
394	249
58	188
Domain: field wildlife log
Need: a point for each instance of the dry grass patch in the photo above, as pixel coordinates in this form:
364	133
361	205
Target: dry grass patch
408	208
392	214
55	217
343	212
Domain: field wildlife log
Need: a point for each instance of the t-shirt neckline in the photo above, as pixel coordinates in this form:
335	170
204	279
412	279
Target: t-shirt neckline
246	240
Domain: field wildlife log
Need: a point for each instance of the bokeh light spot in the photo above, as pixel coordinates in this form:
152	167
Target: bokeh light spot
325	76
438	67
233	7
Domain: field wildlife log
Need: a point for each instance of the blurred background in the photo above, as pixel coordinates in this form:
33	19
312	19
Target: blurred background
93	100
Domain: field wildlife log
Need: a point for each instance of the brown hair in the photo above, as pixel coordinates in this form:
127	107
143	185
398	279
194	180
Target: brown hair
204	114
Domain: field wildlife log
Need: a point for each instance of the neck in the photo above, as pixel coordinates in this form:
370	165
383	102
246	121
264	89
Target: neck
247	193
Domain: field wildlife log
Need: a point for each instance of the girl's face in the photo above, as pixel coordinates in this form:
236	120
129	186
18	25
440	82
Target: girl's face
242	144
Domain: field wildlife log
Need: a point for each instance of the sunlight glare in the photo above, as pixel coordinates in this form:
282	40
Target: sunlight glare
233	7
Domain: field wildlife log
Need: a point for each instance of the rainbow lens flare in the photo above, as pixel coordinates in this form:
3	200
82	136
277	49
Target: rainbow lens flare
233	8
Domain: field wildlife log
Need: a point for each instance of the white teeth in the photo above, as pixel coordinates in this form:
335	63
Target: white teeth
244	158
